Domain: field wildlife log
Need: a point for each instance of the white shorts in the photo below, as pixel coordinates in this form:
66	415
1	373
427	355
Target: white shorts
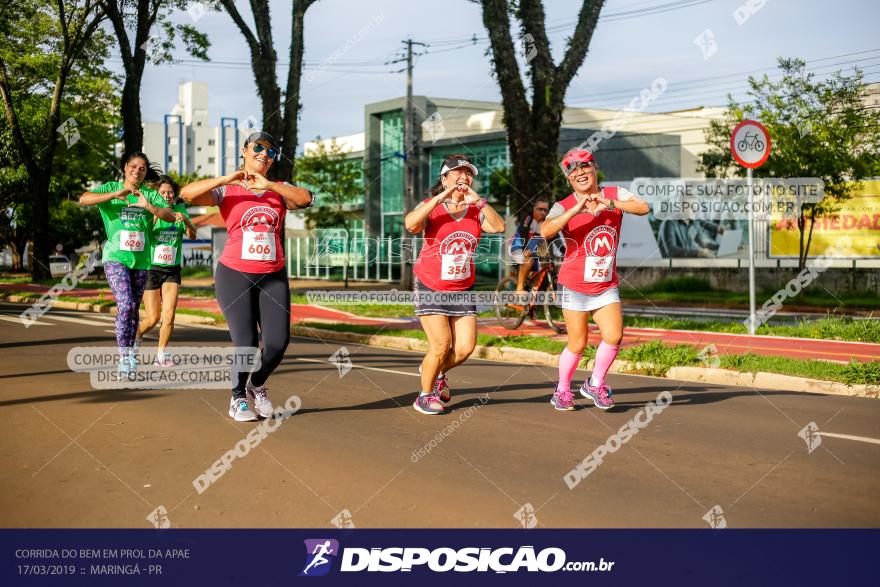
581	302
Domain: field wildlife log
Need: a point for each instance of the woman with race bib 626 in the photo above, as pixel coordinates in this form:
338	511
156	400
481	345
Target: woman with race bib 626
452	220
251	276
127	208
589	220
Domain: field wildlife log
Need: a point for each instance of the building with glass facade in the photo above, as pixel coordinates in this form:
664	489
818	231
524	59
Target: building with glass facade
644	145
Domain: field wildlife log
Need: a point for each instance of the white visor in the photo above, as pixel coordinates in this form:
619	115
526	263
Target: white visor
459	163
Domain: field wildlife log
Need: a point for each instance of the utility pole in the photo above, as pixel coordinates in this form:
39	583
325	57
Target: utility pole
410	175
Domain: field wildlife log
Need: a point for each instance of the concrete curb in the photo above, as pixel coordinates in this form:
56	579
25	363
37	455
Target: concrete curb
98	309
716	376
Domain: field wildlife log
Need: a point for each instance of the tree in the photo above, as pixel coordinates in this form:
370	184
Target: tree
338	183
279	120
140	16
73	226
533	128
819	128
90	110
42	46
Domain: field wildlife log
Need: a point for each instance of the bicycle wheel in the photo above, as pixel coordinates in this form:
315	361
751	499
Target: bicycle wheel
552	309
742	145
759	145
510	316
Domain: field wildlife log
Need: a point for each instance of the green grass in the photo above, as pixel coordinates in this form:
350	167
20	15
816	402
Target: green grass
661	357
195	292
852	374
692	291
192	312
856	373
196	272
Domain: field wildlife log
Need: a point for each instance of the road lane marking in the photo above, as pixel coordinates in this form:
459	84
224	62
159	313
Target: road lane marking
91	322
353	366
18	321
850	437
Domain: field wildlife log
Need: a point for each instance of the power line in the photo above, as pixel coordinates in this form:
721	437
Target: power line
619	15
771	69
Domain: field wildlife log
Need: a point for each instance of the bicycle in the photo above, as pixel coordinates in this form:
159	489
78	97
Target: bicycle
751	141
512	315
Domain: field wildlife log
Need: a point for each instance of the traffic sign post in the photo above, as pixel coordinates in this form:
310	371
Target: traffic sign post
750	146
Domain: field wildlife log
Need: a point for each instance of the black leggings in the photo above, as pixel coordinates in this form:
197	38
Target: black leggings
249	299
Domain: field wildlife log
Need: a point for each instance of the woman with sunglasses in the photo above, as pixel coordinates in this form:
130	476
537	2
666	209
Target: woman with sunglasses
163	278
128	208
251	276
589	220
452	220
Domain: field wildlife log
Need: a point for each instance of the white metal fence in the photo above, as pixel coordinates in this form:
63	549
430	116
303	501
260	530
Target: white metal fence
372	259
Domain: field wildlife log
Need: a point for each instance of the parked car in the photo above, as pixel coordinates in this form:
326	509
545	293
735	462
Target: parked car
59	266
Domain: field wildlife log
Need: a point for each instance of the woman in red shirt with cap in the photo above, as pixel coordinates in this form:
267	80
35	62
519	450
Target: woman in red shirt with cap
589	220
452	220
251	276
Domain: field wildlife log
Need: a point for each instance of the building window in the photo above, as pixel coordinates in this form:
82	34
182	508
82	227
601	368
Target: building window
211	159
198	148
210	142
169	158
189	141
199	123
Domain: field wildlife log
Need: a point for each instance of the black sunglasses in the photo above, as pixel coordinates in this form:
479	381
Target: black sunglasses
272	152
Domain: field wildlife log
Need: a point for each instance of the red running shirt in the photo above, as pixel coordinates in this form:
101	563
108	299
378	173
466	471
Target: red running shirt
446	260
590	263
255	224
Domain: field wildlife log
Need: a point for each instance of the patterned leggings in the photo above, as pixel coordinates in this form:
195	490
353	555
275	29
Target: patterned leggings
128	289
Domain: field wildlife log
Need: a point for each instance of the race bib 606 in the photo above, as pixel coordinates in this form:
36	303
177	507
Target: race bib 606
258	246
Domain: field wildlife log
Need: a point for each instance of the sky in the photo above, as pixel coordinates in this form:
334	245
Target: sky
636	41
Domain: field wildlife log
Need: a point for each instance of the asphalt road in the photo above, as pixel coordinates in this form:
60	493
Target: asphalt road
74	456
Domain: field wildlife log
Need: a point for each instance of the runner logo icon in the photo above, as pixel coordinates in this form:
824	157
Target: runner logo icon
320	553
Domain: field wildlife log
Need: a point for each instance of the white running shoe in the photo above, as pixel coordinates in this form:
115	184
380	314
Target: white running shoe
240	412
259	396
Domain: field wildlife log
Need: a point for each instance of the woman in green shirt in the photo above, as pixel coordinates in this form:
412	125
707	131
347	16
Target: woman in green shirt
163	278
127	208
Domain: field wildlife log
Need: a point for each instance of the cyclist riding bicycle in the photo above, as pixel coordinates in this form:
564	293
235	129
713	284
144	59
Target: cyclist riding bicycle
528	246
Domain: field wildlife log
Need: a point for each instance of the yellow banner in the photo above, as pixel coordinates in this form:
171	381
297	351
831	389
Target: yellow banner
858	218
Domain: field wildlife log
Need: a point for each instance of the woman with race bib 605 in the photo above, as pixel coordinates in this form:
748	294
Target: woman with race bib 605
452	220
251	276
127	208
163	278
589	220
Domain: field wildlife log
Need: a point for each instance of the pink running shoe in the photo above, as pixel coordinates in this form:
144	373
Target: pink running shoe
562	401
600	394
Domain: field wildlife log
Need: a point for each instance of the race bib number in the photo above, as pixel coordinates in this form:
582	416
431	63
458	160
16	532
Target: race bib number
164	255
598	269
258	246
456	267
131	240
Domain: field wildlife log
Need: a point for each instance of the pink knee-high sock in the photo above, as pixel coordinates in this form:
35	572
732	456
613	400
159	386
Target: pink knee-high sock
568	362
605	355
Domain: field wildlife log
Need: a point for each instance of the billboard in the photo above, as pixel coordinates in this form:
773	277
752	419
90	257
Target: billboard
856	219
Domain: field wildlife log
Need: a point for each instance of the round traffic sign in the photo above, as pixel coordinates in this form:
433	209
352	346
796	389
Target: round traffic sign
750	143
